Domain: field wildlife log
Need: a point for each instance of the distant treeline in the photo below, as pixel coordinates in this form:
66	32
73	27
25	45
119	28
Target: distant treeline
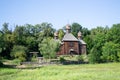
103	43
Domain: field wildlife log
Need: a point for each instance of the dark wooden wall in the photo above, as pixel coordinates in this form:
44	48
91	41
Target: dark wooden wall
67	46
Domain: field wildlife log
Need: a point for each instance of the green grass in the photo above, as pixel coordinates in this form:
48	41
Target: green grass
108	71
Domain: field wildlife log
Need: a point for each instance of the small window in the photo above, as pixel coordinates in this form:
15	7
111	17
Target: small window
71	44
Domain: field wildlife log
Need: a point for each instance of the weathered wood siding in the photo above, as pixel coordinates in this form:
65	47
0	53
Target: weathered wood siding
83	49
67	46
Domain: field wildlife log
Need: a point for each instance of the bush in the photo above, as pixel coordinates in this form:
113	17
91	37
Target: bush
94	56
80	58
16	61
1	64
19	52
49	47
62	60
118	54
110	52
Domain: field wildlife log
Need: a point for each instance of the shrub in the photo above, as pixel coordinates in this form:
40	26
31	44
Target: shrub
62	60
94	56
1	64
118	54
110	52
19	52
80	58
16	61
49	47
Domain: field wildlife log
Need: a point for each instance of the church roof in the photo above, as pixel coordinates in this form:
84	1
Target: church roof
69	37
81	41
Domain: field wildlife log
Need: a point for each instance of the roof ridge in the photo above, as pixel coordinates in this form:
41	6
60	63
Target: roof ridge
69	37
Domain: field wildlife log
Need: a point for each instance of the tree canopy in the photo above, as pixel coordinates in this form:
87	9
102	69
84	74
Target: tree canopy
103	43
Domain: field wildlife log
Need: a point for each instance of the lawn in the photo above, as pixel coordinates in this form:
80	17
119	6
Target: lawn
108	71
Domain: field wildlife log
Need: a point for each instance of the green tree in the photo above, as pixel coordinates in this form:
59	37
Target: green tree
6	40
88	39
75	28
110	51
85	32
31	43
19	52
49	47
5	28
94	56
1	42
46	31
60	34
19	35
98	39
1	47
114	34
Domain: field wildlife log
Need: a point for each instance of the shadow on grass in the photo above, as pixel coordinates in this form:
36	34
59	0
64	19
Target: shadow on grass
69	62
19	67
8	66
32	65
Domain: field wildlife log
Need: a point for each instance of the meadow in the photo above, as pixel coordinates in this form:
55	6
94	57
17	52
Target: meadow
107	71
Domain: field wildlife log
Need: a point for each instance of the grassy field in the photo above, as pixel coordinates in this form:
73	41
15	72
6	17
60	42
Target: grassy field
108	71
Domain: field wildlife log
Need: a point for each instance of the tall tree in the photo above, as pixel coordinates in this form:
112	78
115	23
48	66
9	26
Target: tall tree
114	34
49	47
7	40
94	56
46	31
19	35
60	34
75	28
1	42
5	28
96	41
85	32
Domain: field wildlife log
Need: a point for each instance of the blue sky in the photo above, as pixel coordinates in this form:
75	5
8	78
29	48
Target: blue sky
88	13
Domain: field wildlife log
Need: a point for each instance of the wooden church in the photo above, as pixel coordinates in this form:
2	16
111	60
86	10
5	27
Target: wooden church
70	44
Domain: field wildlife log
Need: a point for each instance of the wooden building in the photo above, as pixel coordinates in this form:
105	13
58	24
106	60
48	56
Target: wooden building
70	44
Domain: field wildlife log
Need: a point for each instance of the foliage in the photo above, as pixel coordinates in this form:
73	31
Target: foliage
110	51
88	39
49	47
94	56
60	34
1	64
33	37
47	30
16	61
5	29
85	32
80	58
118	54
19	52
1	42
32	43
96	40
114	34
75	28
62	59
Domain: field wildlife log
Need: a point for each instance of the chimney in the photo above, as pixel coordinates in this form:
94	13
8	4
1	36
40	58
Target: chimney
68	29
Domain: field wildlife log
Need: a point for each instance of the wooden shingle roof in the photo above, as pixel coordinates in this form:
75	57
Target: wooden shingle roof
69	37
81	41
